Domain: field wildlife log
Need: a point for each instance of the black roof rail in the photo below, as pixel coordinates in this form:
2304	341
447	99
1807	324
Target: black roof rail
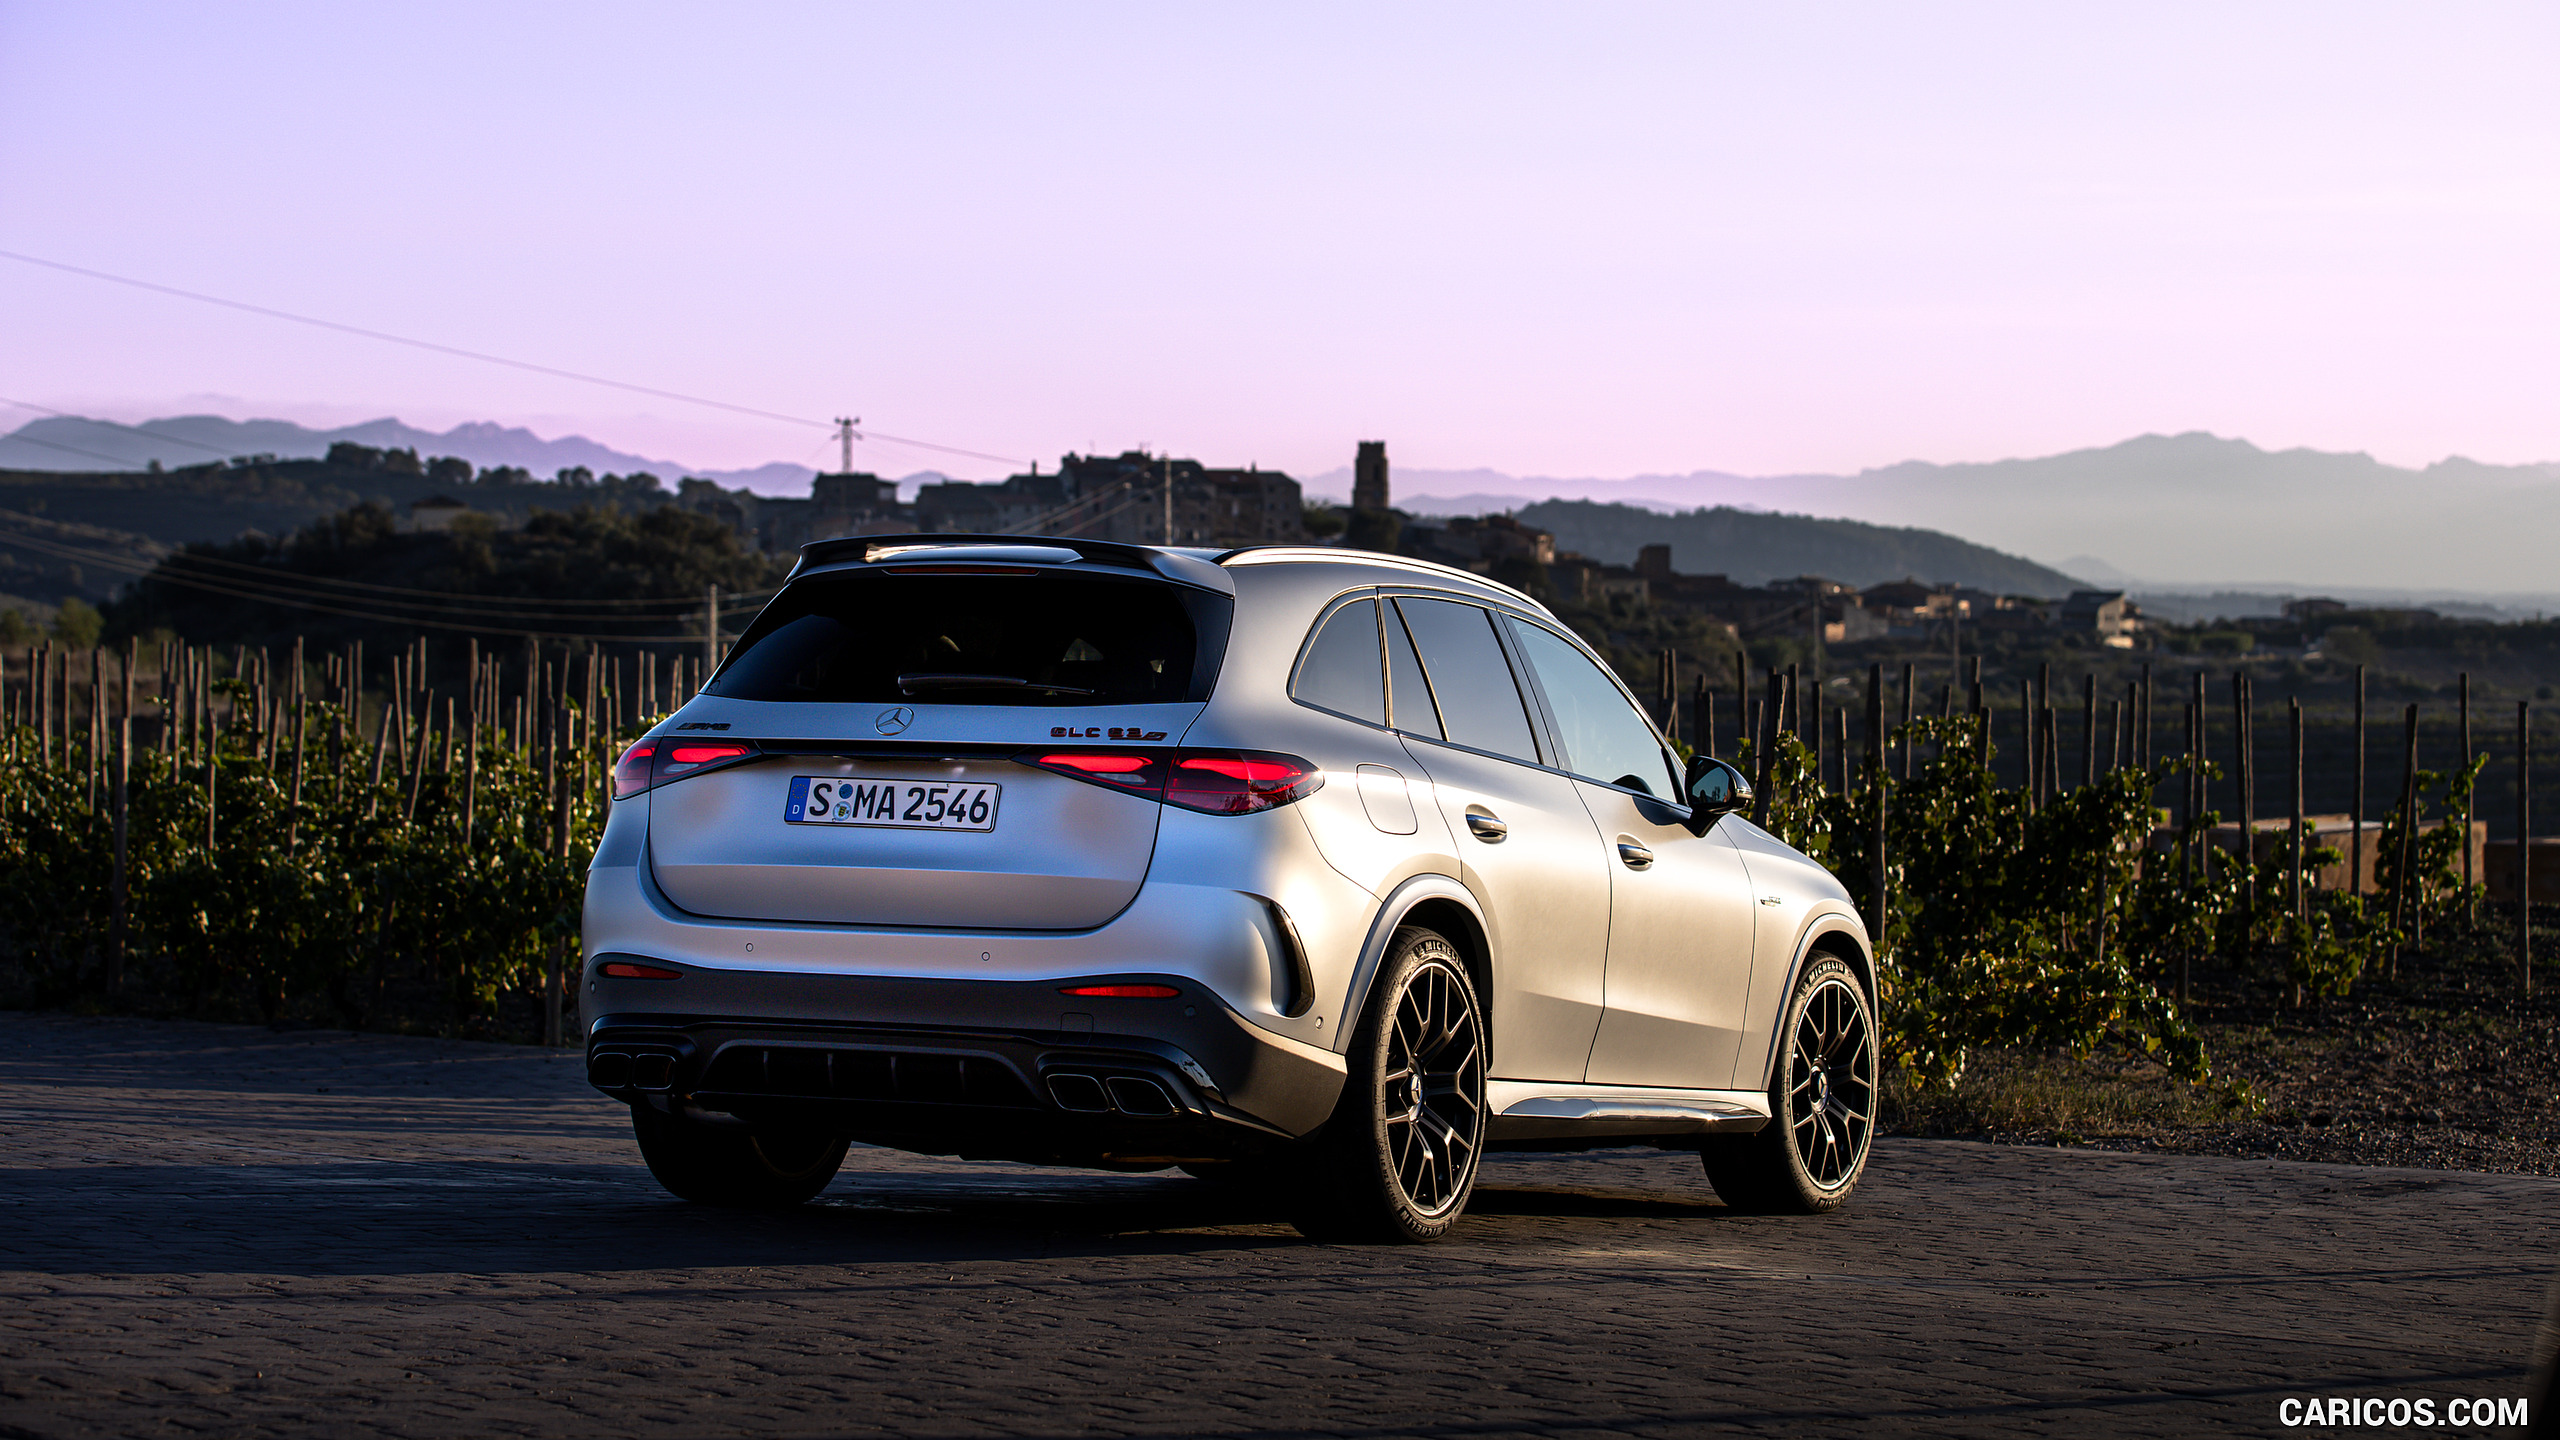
857	549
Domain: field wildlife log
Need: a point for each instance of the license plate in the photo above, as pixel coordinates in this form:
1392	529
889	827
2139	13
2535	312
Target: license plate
896	804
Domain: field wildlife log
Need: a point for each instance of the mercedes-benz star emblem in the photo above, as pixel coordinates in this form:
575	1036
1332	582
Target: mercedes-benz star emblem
895	719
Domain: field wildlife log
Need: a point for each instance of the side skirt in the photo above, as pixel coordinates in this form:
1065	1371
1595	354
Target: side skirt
1545	1110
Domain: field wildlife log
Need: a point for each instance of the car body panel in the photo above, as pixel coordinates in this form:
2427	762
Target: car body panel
1681	935
1799	902
1543	889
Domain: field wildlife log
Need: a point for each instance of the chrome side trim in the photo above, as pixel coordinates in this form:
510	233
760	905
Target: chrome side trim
1615	1105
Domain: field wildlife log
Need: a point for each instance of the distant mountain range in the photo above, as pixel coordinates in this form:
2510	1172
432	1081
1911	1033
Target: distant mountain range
68	443
2160	511
1755	547
2191	515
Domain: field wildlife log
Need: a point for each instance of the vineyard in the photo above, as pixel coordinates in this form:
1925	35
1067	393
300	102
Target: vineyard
234	834
2060	917
197	832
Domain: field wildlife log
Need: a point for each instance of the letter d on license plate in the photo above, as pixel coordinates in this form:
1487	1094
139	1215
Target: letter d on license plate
893	804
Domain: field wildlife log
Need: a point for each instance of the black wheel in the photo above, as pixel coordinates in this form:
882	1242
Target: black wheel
1822	1104
1398	1159
734	1165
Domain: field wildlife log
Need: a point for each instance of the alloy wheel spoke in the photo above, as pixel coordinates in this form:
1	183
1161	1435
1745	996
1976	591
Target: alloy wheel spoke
1435	1057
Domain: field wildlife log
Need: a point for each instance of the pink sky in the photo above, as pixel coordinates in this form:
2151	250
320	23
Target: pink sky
1566	240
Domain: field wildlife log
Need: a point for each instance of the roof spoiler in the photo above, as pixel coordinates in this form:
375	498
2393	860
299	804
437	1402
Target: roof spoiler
1185	569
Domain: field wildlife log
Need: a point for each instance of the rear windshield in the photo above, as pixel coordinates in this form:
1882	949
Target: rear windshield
1045	638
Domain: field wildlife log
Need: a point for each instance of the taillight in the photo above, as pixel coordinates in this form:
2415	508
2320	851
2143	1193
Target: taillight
1121	772
1215	782
659	760
1239	782
625	970
631	772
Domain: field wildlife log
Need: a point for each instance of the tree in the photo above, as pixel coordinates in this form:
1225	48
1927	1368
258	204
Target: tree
77	623
449	470
1377	530
204	593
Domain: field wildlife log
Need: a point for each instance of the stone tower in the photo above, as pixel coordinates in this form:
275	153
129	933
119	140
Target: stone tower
1369	477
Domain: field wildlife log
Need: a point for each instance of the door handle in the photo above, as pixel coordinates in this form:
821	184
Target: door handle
1636	856
1488	826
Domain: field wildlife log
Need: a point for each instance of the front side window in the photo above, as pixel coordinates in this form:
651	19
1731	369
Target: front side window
1479	701
1039	639
1604	738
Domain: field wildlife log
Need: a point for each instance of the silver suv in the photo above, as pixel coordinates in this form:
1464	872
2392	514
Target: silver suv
1318	870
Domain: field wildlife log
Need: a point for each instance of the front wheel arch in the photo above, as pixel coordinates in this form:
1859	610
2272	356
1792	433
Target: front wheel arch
1840	939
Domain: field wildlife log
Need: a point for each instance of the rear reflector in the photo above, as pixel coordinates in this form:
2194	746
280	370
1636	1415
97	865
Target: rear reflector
1214	782
625	970
1123	992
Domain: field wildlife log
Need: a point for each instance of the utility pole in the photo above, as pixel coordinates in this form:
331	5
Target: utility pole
710	630
1168	498
845	436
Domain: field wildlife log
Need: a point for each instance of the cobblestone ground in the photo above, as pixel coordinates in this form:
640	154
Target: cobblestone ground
211	1231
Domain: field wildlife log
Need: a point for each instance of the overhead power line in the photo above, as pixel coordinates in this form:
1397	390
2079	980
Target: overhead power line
68	449
268	575
484	357
453	596
270	594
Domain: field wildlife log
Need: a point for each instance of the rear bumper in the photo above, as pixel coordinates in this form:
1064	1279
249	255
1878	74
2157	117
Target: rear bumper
987	1068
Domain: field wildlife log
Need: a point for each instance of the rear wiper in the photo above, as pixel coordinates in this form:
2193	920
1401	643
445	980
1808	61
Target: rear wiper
910	684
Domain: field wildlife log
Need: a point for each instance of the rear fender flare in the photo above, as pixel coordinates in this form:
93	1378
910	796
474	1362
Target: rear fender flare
1401	902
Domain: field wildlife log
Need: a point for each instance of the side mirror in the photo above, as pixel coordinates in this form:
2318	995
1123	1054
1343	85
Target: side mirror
1713	790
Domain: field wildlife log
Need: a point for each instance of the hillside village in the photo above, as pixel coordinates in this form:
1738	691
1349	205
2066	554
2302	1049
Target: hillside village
1133	497
1138	498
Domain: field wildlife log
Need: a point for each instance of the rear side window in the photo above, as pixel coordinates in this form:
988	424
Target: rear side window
1037	639
1479	702
1604	738
1340	672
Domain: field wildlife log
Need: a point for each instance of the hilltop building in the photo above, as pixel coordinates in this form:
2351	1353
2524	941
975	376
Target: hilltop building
2106	614
1133	497
1369	477
1130	498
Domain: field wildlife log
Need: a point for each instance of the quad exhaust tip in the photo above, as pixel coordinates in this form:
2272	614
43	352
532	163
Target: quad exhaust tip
1131	1095
619	1070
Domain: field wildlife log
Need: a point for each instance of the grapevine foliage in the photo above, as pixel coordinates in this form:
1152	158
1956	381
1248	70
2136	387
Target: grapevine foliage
296	872
2065	926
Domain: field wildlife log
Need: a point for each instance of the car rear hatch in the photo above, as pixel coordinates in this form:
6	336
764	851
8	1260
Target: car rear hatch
883	745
